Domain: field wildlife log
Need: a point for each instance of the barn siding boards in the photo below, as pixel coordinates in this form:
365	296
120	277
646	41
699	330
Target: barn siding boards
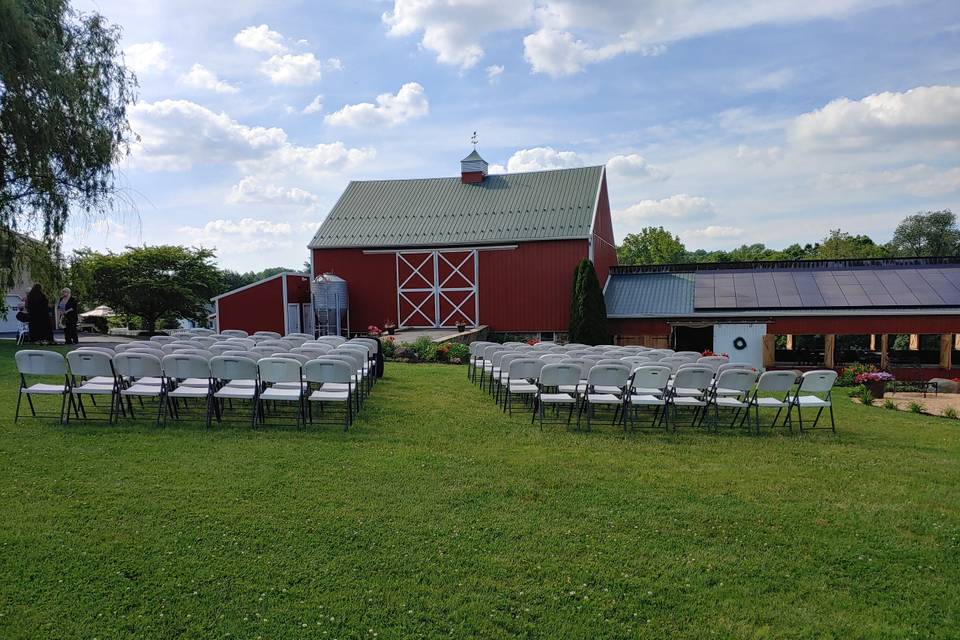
528	288
257	308
371	283
604	245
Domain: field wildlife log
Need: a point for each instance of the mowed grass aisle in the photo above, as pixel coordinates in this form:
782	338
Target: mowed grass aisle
437	516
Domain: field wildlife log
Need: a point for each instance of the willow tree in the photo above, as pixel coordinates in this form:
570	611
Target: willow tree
64	93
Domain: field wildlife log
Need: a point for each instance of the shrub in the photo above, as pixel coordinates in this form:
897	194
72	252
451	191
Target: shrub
889	404
863	394
405	351
425	348
458	353
949	412
916	407
388	346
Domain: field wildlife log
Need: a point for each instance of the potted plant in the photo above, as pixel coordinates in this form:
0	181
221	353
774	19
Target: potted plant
373	331
389	327
461	326
875	381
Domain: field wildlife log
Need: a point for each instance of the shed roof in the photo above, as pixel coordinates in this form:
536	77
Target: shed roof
541	205
918	285
650	294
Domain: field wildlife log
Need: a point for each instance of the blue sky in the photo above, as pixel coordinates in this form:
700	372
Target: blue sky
726	122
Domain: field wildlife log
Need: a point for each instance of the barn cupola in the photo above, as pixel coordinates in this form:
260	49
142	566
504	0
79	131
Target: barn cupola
473	168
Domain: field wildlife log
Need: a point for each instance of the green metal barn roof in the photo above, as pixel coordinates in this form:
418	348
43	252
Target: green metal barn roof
541	205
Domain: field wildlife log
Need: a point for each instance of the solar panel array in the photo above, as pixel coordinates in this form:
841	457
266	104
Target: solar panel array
825	288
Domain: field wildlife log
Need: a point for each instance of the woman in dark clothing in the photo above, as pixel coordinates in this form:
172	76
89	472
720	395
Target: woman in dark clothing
69	315
38	308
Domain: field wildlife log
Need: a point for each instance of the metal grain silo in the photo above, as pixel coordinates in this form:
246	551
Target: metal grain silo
331	305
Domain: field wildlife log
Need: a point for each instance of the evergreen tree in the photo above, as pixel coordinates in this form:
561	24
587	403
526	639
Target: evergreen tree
591	310
576	301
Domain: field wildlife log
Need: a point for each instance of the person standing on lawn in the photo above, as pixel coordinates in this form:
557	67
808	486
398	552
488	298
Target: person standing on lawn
69	316
38	310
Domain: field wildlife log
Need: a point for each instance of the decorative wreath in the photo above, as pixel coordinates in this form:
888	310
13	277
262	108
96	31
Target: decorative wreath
739	344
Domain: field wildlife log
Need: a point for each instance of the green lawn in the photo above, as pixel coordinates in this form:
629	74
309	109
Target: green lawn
438	516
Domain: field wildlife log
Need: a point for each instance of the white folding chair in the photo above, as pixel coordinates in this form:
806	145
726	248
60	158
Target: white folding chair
268	334
146	371
334	378
185	372
42	363
772	382
731	390
237	378
815	392
522	375
334	340
606	384
234	333
553	377
92	375
690	389
280	371
648	388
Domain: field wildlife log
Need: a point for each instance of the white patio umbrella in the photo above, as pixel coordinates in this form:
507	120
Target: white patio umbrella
102	311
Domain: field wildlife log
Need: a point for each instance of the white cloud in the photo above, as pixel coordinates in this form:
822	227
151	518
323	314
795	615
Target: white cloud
542	158
334	64
248	235
176	134
712	232
147	57
292	69
676	207
315	106
307	163
635	166
408	103
758	155
253	189
560	53
496	169
882	119
494	72
918	180
454	29
261	39
199	77
771	81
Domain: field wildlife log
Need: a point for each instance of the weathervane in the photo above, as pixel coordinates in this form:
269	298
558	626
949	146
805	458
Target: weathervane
474	140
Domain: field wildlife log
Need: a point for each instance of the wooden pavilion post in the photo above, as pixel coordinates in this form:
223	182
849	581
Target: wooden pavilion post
884	351
829	346
769	350
946	351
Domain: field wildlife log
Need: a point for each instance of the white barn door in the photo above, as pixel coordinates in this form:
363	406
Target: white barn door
437	288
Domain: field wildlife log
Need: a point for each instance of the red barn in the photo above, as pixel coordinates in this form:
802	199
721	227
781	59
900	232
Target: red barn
496	250
279	303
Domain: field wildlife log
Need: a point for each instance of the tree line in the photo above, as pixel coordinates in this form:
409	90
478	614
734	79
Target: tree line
927	233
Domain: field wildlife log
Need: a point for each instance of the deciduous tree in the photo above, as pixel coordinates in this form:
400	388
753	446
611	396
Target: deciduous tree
150	282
